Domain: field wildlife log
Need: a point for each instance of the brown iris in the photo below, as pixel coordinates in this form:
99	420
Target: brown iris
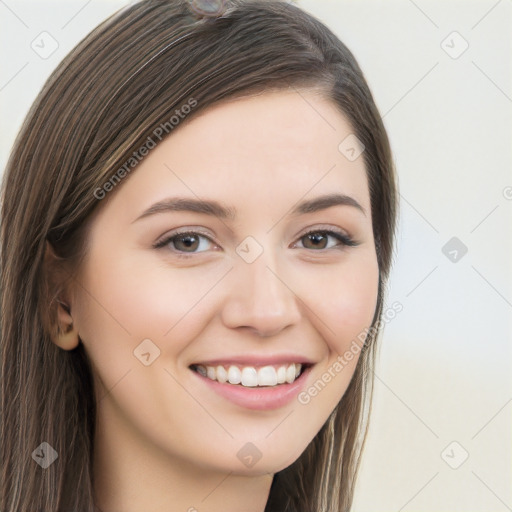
318	240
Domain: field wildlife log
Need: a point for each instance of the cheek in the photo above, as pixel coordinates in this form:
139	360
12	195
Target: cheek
128	301
344	305
343	300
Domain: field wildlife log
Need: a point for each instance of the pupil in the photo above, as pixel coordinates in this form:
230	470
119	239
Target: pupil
317	239
189	241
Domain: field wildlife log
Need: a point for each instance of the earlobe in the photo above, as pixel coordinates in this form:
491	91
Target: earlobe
66	336
63	332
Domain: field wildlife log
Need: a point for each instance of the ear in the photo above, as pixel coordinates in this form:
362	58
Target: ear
59	320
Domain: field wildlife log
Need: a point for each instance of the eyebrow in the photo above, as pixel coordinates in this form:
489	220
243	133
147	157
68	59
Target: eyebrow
214	208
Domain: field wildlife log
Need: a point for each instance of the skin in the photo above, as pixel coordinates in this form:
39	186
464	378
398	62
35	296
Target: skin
164	440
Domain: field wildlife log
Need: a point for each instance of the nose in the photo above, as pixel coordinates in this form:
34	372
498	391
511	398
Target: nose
259	299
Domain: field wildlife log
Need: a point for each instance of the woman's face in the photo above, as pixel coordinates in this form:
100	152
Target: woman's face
248	291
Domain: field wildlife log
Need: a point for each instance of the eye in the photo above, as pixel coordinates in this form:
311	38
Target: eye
186	242
319	239
193	242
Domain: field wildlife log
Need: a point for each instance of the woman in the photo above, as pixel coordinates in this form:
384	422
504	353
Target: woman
197	228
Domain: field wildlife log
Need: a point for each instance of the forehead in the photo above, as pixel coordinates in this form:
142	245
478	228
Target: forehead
258	150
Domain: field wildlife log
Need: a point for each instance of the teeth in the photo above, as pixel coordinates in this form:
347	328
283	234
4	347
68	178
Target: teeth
222	374
201	370
251	377
234	375
267	376
290	373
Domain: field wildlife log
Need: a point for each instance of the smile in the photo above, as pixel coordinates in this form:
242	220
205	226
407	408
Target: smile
251	376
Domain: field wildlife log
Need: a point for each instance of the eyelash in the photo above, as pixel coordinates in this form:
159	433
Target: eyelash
345	240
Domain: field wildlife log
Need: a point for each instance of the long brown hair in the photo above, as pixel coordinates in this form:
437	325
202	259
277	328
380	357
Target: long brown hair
100	105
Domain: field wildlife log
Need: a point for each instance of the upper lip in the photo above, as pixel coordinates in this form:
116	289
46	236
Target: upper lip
256	360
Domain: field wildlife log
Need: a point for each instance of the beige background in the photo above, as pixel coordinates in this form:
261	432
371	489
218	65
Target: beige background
444	374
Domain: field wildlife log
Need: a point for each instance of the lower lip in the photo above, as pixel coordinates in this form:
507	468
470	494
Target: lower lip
258	398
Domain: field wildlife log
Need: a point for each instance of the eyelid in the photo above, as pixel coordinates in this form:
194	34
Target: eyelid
345	240
166	239
324	228
342	236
